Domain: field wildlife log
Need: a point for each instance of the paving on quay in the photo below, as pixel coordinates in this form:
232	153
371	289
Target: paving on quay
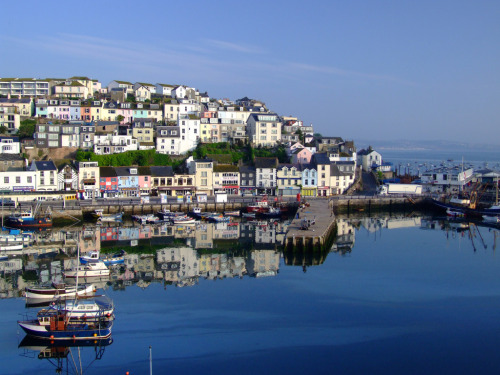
319	213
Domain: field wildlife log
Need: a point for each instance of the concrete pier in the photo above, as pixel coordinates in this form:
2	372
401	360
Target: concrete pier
319	211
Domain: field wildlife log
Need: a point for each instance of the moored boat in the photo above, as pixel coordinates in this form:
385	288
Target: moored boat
102	217
30	218
93	269
235	213
62	291
59	328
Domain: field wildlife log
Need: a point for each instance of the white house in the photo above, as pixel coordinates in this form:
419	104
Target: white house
189	126
46	175
265	172
168	140
113	143
18	180
164	89
10	145
369	159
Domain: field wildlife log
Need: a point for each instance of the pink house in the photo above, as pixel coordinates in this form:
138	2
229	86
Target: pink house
145	183
301	156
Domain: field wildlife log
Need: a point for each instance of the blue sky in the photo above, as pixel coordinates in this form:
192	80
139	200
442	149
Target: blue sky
355	69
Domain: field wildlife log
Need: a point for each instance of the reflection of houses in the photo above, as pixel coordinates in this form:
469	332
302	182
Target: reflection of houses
344	242
263	263
226	231
131	261
265	233
145	267
204	236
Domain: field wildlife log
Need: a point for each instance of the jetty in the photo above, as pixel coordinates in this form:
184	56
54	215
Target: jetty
313	224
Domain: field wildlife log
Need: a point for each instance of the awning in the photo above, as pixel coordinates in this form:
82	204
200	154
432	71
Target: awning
231	187
89	181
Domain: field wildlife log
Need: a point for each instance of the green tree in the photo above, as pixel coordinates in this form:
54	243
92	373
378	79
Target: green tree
120	118
3	129
27	129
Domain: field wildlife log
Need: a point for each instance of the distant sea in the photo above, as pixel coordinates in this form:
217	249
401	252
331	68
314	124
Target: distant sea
417	161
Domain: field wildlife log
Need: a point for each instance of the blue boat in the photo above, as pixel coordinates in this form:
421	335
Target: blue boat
59	328
29	219
94	257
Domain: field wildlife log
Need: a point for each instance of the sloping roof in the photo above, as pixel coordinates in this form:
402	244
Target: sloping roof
47	165
261	162
247	169
107	171
226	168
11	157
335	171
123	82
161	171
321	158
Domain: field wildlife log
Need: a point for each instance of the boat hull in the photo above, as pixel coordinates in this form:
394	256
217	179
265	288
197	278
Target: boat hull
71	332
66	292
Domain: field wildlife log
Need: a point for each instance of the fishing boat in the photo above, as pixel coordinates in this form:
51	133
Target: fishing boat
59	327
61	291
93	269
259	206
102	217
232	213
30	218
250	215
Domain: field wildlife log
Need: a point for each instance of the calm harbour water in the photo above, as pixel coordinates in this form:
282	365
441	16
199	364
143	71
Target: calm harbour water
395	296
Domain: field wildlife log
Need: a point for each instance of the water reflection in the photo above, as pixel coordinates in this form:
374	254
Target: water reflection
65	357
180	255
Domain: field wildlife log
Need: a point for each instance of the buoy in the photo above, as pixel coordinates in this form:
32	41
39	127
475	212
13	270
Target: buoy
51	336
108	315
74	337
95	334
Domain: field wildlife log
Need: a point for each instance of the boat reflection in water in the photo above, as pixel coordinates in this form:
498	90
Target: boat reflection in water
66	357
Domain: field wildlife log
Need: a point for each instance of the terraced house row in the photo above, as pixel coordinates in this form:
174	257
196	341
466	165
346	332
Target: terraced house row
79	113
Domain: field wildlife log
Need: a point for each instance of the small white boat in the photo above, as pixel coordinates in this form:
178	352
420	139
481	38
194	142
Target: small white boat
11	246
77	310
232	213
61	291
102	217
491	218
89	270
183	220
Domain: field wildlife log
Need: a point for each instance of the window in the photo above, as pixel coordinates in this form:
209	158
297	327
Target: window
18	180
6	180
30	179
